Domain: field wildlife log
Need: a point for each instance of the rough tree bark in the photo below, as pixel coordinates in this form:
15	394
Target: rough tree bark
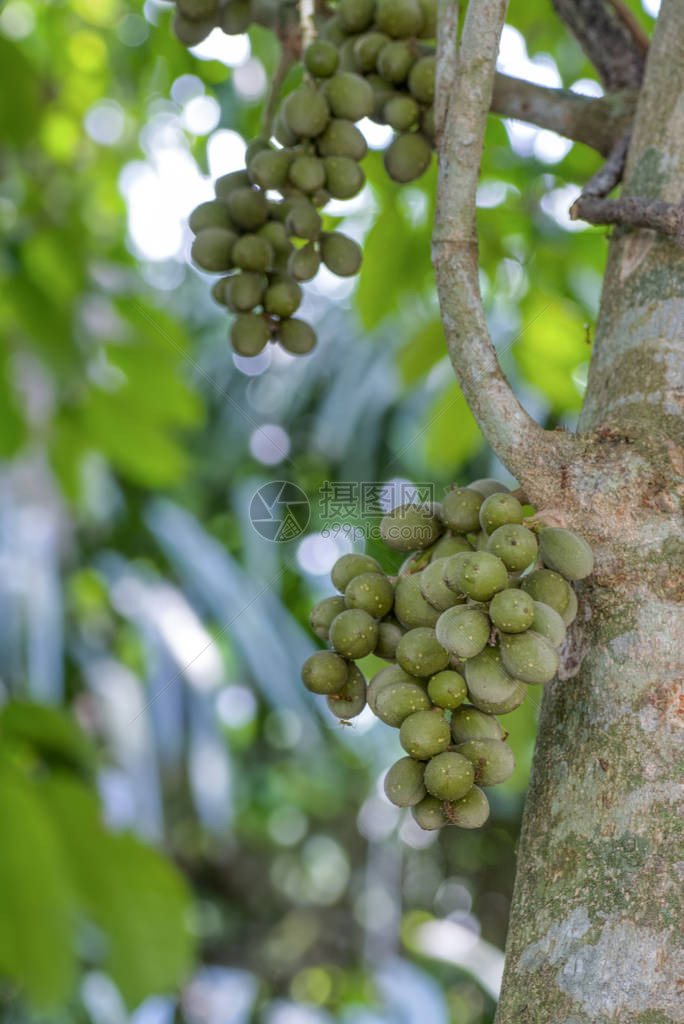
595	915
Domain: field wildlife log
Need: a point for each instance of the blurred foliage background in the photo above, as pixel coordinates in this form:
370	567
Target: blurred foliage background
187	835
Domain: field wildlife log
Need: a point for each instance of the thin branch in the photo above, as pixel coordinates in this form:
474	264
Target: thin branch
639	35
610	174
598	122
465	80
633	212
307	9
279	76
607	39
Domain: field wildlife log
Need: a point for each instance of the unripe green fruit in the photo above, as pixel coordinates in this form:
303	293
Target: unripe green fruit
213	214
404	782
515	545
248	207
351	699
324	672
382	92
481	540
499	509
492	759
469	723
490	687
427	123
547	622
471	811
487	485
548	587
249	334
355	15
323	613
389	635
255	146
218	290
349	96
399	18
321	58
283	296
411	527
191	32
388	676
228	183
346	51
236	17
420	654
344	178
570	612
212	249
334	32
354	633
348	566
296	336
371	592
429	9
529	657
428	814
320	197
342	138
463	632
461	510
253	252
448	545
421	81
307	173
447	689
397	701
245	291
410	607
283	133
512	610
434	589
401	113
270	168
366	50
266	13
340	254
482	575
197	9
454	566
448	776
306	112
394	61
425	734
566	553
303	221
407	157
303	264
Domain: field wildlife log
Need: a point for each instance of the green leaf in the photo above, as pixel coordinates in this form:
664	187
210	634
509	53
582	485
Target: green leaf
424	348
452	435
37	912
51	733
551	347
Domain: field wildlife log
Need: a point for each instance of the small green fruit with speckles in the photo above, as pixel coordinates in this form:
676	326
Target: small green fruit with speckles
407	157
490	687
566	553
340	254
469	723
354	633
515	545
471	811
404	782
434	589
249	334
463	632
492	760
499	509
487	485
420	654
349	96
351	699
323	613
425	734
389	635
410	607
387	676
371	592
449	545
429	815
324	672
306	112
348	566
529	657
411	527
342	138
396	702
448	776
399	18
512	610
321	58
547	622
461	510
447	689
344	178
548	587
482	576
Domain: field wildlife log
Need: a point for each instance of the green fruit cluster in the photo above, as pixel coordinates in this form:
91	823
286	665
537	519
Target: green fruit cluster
264	232
476	614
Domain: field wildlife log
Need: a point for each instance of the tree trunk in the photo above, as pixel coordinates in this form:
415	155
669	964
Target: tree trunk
596	916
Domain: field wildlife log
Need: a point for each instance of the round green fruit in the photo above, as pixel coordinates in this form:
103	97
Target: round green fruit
387	676
249	334
323	613
425	734
270	168
448	776
303	264
303	221
461	510
548	587
340	254
471	811
366	50
324	672
447	689
344	178
410	607
492	760
342	138
355	15
236	17
307	173
399	18
248	207
463	632
482	576
354	633
547	622
487	485
212	249
371	592
407	157
396	702
490	688
449	545
404	782
570	612
499	509
515	545
275	232
212	214
348	566
283	296
306	112
321	58
420	654
253	252
421	80
245	291
349	96
401	113
469	723
351	699
411	527
394	61
529	657
434	589
566	553
512	610
189	31
296	336
227	183
389	635
428	814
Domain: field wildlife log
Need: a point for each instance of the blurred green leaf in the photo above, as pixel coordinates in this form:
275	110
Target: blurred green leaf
51	732
451	433
551	346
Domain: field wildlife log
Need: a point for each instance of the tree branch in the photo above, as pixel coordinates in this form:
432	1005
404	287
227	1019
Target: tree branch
607	37
633	212
465	80
597	122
